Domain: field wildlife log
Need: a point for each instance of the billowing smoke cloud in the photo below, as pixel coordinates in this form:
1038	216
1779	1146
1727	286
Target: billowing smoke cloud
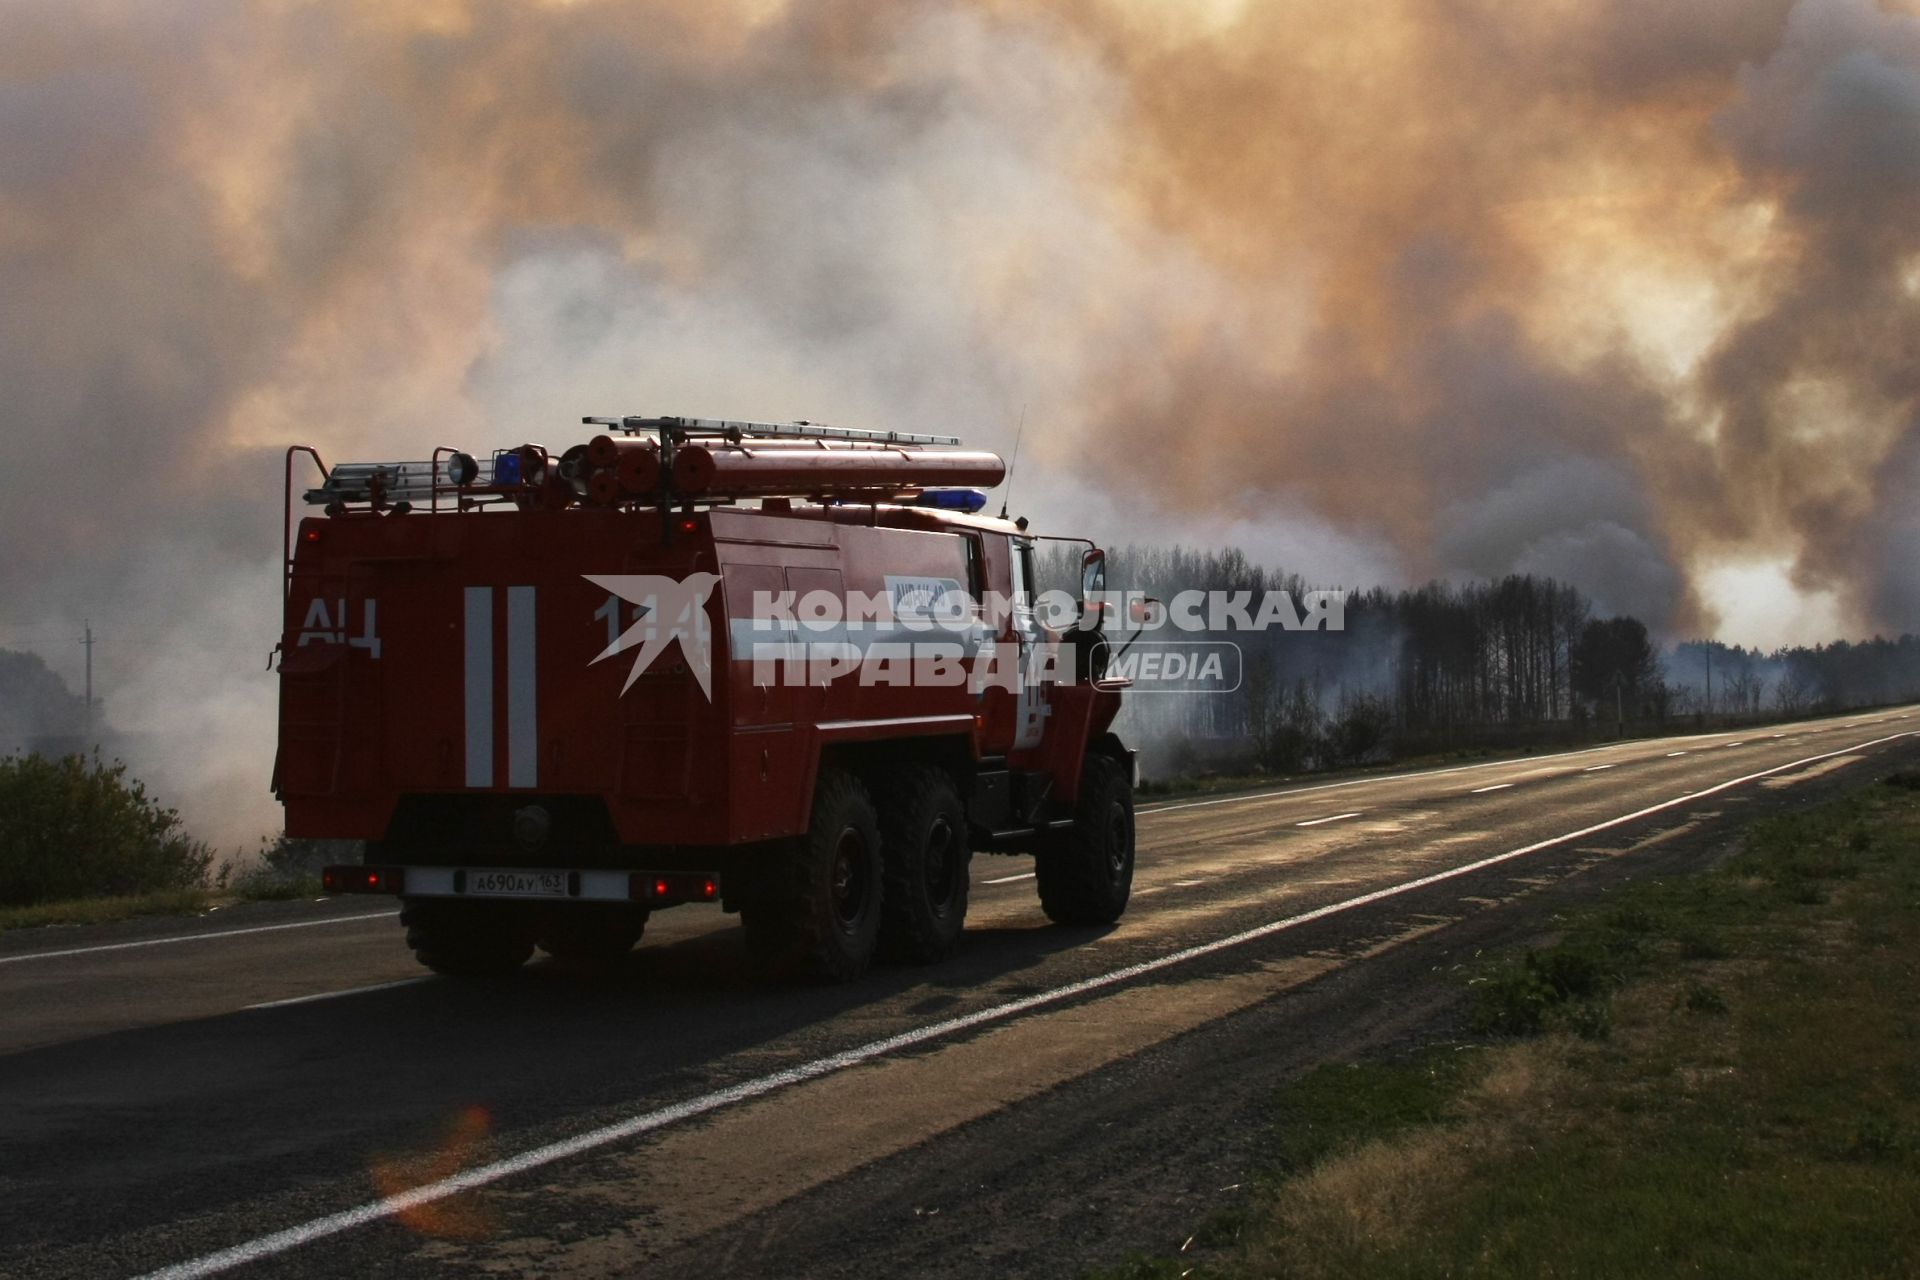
1818	388
1647	270
1572	520
1607	290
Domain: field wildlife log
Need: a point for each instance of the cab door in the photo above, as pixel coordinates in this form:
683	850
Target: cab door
1031	709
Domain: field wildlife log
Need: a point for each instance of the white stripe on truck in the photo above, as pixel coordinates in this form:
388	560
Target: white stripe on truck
479	629
523	737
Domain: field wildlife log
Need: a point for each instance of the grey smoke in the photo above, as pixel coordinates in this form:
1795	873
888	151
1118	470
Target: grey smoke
1575	520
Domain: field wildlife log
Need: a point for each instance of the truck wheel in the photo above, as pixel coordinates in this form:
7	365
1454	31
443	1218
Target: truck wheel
923	841
468	939
817	915
1087	874
595	936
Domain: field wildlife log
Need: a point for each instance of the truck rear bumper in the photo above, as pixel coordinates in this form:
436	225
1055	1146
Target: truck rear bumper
527	884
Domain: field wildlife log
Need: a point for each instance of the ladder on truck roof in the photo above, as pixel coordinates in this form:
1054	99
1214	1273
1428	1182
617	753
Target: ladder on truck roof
509	475
687	428
696	461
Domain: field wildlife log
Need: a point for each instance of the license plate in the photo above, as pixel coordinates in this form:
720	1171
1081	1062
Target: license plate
518	884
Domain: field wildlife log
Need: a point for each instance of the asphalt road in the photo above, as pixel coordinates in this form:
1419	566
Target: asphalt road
281	1089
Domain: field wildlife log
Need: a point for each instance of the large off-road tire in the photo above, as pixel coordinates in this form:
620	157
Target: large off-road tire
468	939
597	936
925	847
1086	875
816	914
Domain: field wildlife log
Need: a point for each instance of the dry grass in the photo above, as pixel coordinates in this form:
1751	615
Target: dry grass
1373	1197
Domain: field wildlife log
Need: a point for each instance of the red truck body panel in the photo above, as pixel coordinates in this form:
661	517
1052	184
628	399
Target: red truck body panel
453	654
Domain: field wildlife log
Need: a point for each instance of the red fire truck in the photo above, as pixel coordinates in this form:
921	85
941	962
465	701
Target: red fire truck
554	693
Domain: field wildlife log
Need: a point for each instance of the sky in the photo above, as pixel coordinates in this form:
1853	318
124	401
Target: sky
1620	291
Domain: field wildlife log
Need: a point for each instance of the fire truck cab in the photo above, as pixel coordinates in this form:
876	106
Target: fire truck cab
784	667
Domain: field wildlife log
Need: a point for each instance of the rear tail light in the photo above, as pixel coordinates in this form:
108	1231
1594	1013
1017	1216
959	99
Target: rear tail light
364	879
672	888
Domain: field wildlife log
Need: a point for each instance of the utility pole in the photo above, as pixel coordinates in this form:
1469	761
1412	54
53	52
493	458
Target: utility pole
88	642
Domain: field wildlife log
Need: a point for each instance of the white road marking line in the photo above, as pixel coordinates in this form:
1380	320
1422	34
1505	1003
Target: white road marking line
1024	875
1672	754
646	1122
1321	822
195	937
279	1242
335	995
1741	743
1597	768
1498	786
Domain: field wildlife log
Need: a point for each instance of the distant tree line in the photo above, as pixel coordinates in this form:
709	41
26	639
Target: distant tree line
1718	679
1515	661
36	707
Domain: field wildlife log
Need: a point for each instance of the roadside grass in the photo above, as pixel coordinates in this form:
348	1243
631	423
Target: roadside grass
254	885
1714	1074
166	902
282	869
263	884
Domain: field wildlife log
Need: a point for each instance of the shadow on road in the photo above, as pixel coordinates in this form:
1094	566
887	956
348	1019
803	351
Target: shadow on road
268	1100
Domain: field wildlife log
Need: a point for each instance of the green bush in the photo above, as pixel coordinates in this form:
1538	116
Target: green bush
289	867
1517	999
1574	972
1512	1002
74	827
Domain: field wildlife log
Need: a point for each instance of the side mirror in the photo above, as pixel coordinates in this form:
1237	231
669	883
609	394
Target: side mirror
1093	574
1093	585
1145	613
